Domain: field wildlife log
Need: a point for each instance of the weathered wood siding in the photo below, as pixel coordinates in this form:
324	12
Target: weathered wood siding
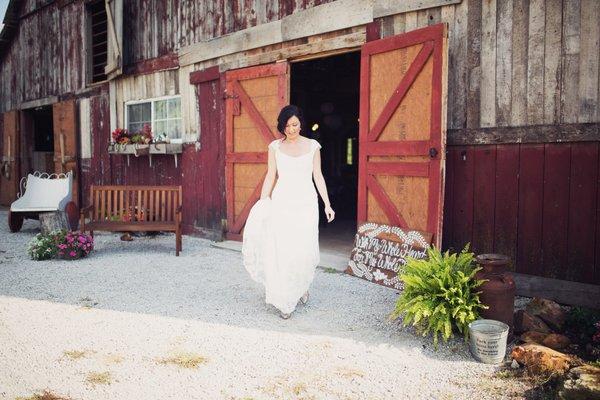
517	62
159	27
46	57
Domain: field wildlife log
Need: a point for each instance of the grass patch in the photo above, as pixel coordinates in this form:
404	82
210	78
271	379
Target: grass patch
75	354
184	360
99	378
330	270
45	395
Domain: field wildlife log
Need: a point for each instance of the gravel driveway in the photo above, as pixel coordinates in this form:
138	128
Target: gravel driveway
132	321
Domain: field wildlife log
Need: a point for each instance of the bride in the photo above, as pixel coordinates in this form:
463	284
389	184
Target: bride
281	237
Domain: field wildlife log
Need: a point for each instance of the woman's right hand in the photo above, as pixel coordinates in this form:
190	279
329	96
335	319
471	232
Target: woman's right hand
329	213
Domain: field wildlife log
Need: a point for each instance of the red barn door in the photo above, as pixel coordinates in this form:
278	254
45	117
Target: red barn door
254	97
10	173
402	130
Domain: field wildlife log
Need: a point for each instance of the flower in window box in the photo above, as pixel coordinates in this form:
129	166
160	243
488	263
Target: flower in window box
120	136
146	133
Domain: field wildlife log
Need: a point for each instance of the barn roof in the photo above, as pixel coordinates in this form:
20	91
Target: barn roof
11	23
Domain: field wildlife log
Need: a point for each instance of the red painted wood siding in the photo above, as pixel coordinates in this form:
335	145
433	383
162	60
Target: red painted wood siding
537	203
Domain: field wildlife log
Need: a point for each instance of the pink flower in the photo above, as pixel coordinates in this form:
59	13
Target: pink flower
72	254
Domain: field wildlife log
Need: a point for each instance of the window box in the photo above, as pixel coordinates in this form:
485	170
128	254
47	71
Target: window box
146	150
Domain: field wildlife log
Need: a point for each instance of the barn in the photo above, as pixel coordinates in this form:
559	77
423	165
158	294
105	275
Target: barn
475	120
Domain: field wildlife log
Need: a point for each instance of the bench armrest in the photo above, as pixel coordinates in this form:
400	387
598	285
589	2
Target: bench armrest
86	210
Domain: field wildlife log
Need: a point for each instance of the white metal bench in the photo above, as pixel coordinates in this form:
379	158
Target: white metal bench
41	192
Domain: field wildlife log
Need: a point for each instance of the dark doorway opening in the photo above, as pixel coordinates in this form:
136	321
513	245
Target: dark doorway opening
40	139
327	90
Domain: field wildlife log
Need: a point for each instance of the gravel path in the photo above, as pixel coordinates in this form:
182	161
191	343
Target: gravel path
106	326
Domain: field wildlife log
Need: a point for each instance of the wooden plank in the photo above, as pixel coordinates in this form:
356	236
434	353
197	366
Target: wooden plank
535	63
484	191
325	18
474	64
463	197
139	205
205	75
382	8
504	62
526	134
398	168
557	169
563	292
582	234
386	204
589	61
449	198
459	77
507	200
405	148
487	101
552	61
531	186
570	61
519	62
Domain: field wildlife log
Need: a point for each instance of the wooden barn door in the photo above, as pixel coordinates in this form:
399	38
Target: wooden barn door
254	97
64	115
402	130
9	166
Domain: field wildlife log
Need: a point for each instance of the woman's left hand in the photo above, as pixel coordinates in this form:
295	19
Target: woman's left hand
329	213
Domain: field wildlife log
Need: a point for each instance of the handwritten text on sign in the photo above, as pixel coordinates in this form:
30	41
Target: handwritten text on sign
381	250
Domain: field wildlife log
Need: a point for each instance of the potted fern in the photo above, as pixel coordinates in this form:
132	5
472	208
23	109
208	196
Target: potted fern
440	293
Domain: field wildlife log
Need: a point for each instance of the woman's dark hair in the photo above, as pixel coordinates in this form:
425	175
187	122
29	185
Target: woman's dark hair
285	114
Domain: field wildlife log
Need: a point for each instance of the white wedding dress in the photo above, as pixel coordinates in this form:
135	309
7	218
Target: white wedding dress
281	237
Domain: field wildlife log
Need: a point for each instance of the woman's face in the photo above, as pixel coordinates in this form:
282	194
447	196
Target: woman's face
292	128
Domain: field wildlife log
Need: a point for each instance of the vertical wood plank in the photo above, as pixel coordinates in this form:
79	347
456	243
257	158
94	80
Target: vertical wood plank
109	205
103	205
588	61
557	166
520	34
151	216
139	205
121	204
507	200
163	215
411	21
145	205
459	74
504	62
582	233
463	196
531	189
570	61
473	63
448	225
97	202
488	60
552	63
447	16
535	62
484	198
127	203
169	214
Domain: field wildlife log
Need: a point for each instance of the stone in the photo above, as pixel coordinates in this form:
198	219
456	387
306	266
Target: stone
581	383
549	311
514	364
533	337
542	360
524	322
556	341
126	237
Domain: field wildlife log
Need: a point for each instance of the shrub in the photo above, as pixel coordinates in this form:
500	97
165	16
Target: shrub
440	293
45	246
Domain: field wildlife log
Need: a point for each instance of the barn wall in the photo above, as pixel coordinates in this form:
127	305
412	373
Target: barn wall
517	62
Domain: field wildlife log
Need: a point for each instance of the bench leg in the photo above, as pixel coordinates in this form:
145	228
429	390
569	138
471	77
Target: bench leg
177	242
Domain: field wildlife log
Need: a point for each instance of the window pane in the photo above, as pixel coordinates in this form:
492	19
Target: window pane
135	127
175	108
139	112
159	127
175	128
160	109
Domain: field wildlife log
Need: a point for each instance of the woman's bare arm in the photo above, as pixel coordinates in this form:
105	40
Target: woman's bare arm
267	186
321	187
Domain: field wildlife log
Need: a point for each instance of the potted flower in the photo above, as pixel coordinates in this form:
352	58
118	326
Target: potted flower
75	245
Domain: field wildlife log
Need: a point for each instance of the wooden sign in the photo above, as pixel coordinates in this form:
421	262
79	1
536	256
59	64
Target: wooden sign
380	251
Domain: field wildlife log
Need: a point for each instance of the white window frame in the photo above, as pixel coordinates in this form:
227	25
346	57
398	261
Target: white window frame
152	100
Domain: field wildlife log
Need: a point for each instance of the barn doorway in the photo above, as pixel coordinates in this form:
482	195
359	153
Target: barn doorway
327	90
40	139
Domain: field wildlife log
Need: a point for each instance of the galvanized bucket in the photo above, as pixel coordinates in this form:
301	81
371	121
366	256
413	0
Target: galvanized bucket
487	340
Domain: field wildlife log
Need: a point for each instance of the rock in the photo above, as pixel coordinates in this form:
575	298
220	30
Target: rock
543	360
582	383
126	237
549	311
514	364
533	337
556	341
524	322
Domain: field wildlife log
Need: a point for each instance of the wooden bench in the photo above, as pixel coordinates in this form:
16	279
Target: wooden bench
134	208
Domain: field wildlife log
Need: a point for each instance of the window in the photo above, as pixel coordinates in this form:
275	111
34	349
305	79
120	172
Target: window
97	41
163	115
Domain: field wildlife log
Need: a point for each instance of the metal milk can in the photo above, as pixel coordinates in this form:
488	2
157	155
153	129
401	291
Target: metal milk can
498	293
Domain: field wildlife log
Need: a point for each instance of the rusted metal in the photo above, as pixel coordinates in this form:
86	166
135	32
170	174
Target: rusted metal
498	292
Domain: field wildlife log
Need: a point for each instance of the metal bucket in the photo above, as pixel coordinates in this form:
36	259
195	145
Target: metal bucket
487	340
